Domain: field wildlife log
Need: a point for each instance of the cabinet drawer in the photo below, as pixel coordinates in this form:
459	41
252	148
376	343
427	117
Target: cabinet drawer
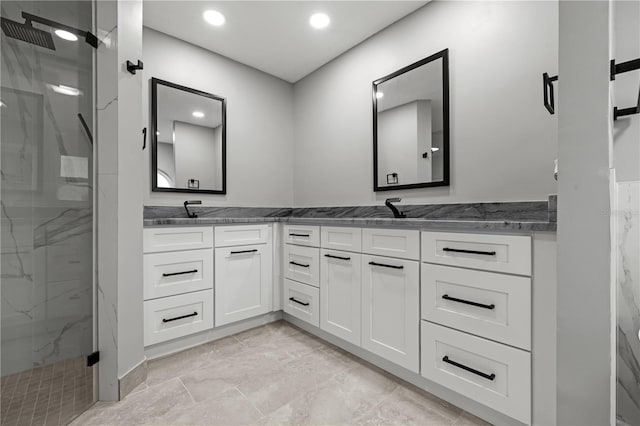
400	243
180	238
337	238
500	253
495	306
177	316
302	302
490	373
227	236
167	274
302	264
302	235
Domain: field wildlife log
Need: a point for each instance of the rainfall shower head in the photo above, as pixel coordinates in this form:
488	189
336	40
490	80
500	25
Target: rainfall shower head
26	32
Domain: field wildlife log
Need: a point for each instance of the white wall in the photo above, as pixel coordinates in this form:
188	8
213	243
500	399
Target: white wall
503	141
259	122
584	213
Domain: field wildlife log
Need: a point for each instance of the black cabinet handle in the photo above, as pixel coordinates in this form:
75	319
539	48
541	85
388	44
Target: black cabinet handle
179	318
300	235
386	266
144	138
293	299
244	251
337	257
547	87
298	264
486	253
469	369
468	302
170	274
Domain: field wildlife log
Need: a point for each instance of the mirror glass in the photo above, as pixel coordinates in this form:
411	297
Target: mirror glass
189	139
411	126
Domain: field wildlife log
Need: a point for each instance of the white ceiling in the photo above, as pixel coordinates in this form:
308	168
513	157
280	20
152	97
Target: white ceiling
275	36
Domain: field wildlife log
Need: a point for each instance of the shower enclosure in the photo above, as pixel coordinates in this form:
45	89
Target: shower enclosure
47	210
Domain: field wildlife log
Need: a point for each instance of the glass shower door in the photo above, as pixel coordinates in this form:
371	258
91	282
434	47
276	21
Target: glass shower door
47	218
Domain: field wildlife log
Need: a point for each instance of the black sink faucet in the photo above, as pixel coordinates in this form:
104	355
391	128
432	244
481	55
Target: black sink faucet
397	214
189	202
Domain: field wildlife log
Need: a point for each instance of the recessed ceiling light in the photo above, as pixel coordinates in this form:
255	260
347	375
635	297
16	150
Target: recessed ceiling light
65	90
66	35
319	20
198	114
379	95
434	149
214	17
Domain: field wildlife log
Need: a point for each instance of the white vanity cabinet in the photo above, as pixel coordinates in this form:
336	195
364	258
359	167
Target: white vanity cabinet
301	257
391	309
243	273
177	282
340	294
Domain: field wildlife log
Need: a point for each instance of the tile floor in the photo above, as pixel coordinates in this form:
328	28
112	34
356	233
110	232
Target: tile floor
274	374
51	395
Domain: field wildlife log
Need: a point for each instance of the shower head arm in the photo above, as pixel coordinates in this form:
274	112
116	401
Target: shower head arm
89	37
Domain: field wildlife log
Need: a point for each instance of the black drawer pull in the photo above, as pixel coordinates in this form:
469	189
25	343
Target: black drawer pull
179	318
337	257
298	264
469	369
170	274
486	253
386	266
300	235
244	251
293	299
468	302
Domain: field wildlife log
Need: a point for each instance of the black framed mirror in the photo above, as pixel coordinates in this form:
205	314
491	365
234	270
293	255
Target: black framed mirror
189	139
411	126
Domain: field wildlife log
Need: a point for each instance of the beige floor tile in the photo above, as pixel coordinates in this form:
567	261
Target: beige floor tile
172	366
467	419
228	408
266	334
146	407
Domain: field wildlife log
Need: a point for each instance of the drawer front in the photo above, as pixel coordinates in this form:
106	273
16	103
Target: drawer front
341	299
302	235
337	238
168	274
391	309
177	316
490	373
302	264
495	306
500	253
181	238
302	302
227	236
404	244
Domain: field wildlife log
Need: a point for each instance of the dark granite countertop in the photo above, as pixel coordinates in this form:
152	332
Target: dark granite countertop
409	223
523	216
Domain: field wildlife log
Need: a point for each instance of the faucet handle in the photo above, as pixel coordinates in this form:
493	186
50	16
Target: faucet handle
189	202
393	200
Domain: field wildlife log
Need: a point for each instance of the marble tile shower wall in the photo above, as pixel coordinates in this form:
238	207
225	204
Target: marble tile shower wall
628	300
46	214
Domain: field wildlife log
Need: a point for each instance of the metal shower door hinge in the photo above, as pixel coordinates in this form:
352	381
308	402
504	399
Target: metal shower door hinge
93	359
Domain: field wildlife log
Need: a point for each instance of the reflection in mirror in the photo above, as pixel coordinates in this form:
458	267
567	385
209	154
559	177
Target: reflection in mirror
411	126
189	139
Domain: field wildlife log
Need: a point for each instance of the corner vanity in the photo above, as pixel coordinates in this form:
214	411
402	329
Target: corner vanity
453	311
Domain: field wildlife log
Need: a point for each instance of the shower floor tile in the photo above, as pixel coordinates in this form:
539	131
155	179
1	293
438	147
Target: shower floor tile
50	395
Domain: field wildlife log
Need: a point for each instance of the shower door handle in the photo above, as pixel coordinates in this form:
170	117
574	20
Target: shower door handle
144	138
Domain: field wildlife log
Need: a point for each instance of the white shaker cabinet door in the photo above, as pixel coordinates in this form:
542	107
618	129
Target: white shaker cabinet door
391	309
243	282
340	294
